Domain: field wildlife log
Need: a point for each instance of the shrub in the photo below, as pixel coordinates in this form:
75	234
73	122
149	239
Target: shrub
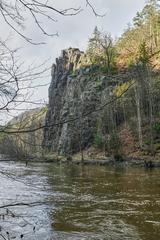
112	70
157	128
118	158
99	141
115	147
98	85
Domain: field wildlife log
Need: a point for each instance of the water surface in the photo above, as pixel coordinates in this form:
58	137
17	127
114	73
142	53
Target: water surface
68	202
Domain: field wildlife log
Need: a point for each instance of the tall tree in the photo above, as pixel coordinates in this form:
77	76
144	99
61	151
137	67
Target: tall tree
94	50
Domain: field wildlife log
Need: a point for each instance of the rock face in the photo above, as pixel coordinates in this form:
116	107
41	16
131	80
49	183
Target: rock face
73	94
77	89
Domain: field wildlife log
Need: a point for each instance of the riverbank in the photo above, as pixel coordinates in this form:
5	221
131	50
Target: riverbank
124	163
98	159
147	161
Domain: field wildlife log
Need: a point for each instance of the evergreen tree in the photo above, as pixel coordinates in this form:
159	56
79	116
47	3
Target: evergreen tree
94	48
145	28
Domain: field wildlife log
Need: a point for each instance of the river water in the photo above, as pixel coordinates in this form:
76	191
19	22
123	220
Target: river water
66	202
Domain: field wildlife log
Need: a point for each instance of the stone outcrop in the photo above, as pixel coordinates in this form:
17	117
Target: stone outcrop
74	91
77	89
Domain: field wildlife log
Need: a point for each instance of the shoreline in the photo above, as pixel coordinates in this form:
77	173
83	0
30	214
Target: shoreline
124	163
128	162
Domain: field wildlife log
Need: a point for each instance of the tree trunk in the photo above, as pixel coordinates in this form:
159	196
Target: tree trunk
139	122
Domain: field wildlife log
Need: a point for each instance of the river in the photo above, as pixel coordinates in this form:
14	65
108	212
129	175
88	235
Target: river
67	202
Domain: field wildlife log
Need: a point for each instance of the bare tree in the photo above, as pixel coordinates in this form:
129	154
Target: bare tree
108	51
16	14
16	78
139	117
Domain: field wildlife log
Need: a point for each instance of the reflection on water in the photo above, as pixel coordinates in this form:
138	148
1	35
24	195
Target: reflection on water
76	202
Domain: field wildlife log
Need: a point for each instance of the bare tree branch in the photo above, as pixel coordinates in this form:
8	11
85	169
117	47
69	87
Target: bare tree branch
27	130
88	3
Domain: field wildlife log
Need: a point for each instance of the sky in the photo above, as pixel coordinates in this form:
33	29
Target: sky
73	31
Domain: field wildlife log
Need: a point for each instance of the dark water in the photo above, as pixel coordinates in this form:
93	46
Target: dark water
76	203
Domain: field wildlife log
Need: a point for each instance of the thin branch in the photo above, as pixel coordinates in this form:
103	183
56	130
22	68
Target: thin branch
27	130
88	3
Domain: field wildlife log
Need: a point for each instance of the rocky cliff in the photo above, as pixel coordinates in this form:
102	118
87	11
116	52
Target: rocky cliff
77	89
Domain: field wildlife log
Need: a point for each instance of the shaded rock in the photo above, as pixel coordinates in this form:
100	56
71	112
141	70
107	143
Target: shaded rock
71	96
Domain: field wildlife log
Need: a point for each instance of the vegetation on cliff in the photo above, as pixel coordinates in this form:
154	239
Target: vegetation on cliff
109	96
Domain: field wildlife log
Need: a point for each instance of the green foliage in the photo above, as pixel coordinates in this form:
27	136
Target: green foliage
114	142
74	73
112	69
95	68
143	53
142	39
147	142
120	90
93	50
2	136
157	128
118	158
98	85
104	69
157	146
101	51
99	141
138	19
115	146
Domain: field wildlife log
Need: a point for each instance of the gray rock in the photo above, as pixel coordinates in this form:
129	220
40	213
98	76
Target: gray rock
70	97
76	90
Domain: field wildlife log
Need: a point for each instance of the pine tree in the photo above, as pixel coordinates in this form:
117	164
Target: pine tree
94	48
